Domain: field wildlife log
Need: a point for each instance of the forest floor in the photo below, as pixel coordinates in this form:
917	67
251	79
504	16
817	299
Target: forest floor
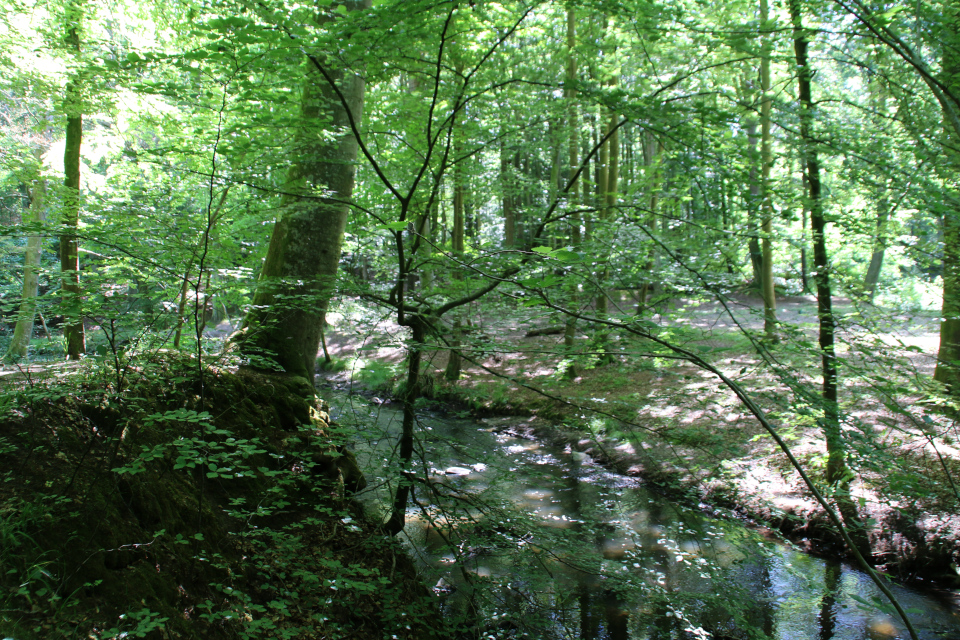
188	507
663	419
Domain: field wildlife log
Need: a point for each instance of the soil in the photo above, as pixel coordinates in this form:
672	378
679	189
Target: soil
663	419
181	506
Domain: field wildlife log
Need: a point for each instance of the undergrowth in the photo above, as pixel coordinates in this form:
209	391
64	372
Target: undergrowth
189	503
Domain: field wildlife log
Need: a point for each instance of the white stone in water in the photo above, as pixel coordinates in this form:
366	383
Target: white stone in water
457	471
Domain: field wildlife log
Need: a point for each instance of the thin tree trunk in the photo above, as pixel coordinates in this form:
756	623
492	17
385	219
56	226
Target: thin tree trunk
838	475
804	271
754	199
610	196
509	214
603	171
879	249
23	331
452	371
652	150
394	524
181	310
69	246
573	130
766	161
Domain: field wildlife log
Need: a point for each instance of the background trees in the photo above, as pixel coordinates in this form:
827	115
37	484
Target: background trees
588	166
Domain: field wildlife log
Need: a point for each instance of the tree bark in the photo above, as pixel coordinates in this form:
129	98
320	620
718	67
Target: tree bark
948	357
754	198
573	132
69	247
411	392
454	361
766	162
838	475
299	274
23	331
804	272
879	249
509	198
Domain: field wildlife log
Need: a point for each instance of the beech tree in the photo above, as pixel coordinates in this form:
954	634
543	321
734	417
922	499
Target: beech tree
298	276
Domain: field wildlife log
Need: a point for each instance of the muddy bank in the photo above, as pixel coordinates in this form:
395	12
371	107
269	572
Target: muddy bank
175	503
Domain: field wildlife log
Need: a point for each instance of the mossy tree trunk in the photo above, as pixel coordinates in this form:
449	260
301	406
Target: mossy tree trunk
299	273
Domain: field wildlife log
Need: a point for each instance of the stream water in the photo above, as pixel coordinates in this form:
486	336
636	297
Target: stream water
521	538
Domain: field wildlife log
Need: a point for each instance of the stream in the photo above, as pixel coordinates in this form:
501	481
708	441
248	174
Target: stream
521	539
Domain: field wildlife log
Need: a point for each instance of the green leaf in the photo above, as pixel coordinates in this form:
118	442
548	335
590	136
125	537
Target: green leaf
569	257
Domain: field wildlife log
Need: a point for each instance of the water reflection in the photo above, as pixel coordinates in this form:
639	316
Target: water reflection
522	537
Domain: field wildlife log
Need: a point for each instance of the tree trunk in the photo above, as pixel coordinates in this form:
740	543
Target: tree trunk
948	357
879	248
804	272
573	132
754	198
603	172
411	393
766	161
69	248
652	163
454	361
34	215
509	195
181	310
838	475
299	273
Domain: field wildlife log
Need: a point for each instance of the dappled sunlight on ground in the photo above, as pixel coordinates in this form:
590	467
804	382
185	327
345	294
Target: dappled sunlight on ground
670	417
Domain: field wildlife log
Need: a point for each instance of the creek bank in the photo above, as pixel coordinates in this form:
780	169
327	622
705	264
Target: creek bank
190	502
909	545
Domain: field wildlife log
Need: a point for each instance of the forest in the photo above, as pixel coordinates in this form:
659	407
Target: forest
473	319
